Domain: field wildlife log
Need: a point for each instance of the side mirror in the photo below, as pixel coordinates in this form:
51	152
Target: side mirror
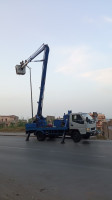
87	119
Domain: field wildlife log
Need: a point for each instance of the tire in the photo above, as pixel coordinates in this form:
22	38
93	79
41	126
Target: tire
76	136
40	136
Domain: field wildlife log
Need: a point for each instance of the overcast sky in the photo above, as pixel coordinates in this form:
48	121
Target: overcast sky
79	74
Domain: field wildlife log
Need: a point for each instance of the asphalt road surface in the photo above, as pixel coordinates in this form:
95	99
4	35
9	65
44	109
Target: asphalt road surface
52	171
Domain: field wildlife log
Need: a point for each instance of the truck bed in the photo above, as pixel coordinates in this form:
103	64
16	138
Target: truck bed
32	127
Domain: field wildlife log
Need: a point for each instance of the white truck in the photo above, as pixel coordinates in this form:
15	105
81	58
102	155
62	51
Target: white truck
83	124
77	125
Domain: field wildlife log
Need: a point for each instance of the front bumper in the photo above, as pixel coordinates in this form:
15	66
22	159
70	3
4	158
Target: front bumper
92	133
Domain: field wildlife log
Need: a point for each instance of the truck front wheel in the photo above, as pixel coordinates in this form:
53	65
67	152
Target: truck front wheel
40	136
76	136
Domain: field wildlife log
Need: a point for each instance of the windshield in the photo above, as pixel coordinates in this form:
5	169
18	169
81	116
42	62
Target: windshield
84	115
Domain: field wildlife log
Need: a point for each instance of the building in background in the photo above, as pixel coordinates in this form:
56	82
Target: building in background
107	129
7	120
99	118
50	119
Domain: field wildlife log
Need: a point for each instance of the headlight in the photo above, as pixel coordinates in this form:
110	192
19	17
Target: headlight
88	129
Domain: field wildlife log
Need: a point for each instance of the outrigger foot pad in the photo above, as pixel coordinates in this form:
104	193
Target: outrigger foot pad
27	138
62	142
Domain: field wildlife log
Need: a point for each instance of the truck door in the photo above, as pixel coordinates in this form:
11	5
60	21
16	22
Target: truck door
76	122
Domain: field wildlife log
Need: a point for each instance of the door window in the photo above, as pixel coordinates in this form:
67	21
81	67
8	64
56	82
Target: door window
77	119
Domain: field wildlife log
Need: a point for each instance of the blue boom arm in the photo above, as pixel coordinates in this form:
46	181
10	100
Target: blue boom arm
20	69
43	78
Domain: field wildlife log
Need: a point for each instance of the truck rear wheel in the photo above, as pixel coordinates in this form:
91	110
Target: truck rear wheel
40	136
76	136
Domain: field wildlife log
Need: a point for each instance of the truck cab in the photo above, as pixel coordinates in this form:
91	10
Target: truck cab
83	123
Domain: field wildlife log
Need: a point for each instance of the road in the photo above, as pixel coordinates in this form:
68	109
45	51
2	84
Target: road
49	170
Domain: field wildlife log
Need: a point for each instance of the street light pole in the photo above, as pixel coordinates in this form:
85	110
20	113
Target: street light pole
31	92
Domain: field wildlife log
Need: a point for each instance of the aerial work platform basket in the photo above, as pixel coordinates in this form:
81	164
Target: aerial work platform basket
20	70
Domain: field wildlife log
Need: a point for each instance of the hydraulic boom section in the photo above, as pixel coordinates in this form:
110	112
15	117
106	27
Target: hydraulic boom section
21	70
43	78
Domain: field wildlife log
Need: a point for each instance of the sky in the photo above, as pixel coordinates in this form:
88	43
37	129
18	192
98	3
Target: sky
79	71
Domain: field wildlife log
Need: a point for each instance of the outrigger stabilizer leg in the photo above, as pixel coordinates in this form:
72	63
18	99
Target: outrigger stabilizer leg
28	135
64	133
63	138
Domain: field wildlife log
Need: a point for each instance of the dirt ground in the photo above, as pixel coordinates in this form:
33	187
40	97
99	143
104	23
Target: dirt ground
11	189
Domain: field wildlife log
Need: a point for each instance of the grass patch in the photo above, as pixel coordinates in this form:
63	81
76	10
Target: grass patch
12	129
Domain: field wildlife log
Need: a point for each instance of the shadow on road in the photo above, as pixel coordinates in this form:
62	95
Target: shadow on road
86	142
